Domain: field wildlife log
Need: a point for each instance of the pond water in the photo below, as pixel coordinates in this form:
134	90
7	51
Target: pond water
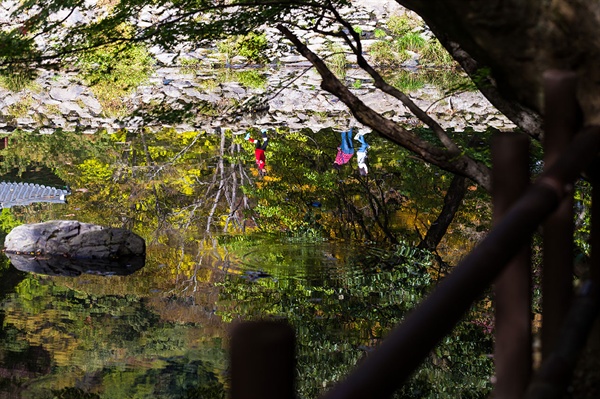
163	331
130	336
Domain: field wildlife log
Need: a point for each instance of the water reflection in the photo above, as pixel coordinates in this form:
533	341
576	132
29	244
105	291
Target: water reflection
64	266
162	332
14	194
134	336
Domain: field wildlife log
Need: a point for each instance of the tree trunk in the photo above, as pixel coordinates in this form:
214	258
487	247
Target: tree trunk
452	200
516	42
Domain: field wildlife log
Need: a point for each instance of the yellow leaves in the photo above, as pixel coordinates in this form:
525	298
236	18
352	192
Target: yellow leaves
94	171
119	136
270	178
41	331
157	152
141	206
187	137
185	184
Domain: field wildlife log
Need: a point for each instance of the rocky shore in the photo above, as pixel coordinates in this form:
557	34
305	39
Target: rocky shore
61	101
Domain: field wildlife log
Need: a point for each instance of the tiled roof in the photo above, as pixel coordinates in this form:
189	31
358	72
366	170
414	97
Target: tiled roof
12	194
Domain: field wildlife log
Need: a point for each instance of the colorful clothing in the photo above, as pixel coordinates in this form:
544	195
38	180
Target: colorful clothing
259	154
345	150
259	151
361	155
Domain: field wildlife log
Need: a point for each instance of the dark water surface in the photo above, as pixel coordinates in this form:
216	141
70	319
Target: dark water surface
133	337
90	331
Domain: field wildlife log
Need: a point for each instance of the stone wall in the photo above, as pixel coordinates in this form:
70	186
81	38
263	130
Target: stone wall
61	101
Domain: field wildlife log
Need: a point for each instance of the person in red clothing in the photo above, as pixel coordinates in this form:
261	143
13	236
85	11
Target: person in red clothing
259	150
345	150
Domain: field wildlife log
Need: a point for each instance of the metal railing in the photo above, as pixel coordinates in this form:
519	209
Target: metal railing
262	352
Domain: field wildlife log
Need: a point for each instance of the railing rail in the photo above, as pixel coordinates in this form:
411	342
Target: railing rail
512	289
381	373
555	373
404	349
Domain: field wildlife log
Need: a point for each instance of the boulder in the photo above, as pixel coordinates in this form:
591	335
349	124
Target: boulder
73	239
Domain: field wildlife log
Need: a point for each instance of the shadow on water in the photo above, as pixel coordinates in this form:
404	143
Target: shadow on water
64	266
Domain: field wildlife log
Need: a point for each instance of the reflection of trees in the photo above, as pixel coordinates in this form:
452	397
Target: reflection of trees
193	179
184	188
339	319
179	188
111	338
18	360
398	198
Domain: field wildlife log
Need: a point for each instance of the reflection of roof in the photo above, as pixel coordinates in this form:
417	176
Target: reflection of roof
12	194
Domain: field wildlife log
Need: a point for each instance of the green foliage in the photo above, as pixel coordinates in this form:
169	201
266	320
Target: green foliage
14	79
15	45
379	33
336	60
189	65
342	316
131	332
450	81
481	78
20	108
406	37
384	53
7	222
99	335
252	79
57	152
435	54
407	81
114	71
93	171
399	25
411	41
304	196
73	393
252	46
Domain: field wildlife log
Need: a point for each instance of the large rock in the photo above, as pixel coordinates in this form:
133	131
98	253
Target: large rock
73	239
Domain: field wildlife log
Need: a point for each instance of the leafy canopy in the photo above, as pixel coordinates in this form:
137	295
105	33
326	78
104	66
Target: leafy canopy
200	22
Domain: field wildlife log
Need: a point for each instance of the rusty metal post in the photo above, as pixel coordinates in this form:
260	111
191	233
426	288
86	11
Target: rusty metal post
263	361
555	374
512	289
387	367
562	120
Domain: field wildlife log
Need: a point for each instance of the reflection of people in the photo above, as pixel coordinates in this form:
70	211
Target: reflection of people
259	150
345	150
361	153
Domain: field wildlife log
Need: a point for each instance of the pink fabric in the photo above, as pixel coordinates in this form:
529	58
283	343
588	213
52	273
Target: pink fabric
342	157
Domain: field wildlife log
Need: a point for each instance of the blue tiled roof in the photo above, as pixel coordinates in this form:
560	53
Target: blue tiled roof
12	194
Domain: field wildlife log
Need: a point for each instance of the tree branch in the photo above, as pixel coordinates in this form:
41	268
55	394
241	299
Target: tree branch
382	85
457	164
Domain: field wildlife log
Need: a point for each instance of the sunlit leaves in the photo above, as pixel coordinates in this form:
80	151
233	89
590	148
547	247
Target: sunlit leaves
113	71
93	171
